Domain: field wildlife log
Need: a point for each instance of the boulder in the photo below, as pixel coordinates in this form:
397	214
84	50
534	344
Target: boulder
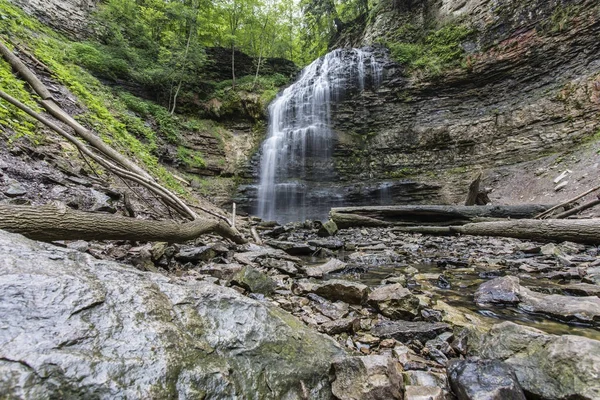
547	366
346	291
77	327
330	266
484	380
504	290
254	281
329	228
394	301
405	331
372	377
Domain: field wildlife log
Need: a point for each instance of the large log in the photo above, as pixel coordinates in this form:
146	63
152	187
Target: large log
585	231
49	223
437	215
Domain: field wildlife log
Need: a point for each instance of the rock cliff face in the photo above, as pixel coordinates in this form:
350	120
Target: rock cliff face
531	88
67	16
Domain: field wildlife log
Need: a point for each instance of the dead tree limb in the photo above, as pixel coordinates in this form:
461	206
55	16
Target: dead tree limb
163	193
49	223
574	230
547	212
473	191
577	210
54	109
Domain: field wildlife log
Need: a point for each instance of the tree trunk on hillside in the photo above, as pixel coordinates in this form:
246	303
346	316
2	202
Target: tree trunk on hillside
574	230
49	223
54	109
346	217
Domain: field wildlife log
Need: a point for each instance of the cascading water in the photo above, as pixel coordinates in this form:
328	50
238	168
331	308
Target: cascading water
296	154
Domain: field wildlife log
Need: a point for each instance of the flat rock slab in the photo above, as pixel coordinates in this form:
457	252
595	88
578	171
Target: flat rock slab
367	378
330	266
394	301
76	327
346	291
507	290
405	331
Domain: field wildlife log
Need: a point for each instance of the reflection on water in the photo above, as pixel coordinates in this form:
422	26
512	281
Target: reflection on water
463	284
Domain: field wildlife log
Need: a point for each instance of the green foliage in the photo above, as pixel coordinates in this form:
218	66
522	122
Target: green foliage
438	51
561	19
10	116
190	158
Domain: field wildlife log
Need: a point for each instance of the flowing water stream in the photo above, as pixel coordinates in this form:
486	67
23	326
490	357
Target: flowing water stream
296	155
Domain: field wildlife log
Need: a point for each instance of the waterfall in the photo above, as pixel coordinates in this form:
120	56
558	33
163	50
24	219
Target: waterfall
297	153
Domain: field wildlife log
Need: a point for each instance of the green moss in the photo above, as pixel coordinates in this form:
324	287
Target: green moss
401	173
561	19
437	52
191	158
10	116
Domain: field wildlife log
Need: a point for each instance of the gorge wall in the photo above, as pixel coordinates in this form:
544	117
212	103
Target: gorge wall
528	90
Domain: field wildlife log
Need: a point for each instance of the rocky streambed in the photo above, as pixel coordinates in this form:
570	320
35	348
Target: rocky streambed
357	314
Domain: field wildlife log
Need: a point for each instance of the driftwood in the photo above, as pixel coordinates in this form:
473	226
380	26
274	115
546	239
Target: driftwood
566	203
574	230
54	109
578	209
437	215
49	223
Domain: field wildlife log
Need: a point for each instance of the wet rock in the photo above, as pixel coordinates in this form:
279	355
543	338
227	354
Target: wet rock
405	331
334	311
346	291
329	228
331	244
484	380
102	330
502	290
370	377
582	289
195	254
340	326
101	202
79	245
507	290
254	281
394	301
284	266
424	393
225	272
330	266
15	189
292	248
547	366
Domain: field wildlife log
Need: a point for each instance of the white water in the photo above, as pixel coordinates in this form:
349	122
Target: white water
296	154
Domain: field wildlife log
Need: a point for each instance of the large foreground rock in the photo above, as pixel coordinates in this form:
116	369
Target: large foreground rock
72	326
548	366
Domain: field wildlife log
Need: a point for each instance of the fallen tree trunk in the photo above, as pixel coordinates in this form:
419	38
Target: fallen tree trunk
574	230
438	215
49	223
